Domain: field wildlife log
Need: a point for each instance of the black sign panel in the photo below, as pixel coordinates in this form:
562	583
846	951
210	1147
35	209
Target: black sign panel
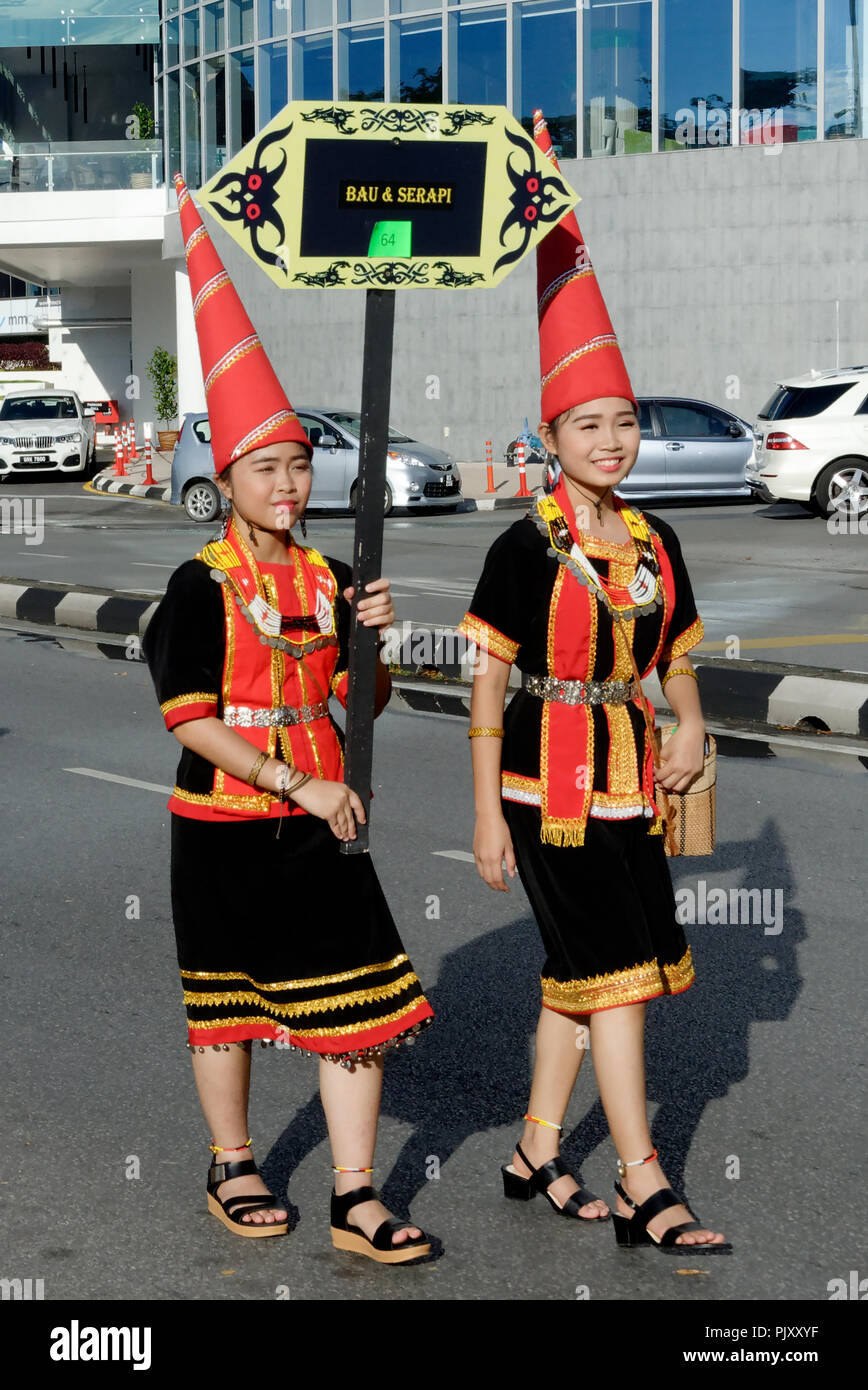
350	186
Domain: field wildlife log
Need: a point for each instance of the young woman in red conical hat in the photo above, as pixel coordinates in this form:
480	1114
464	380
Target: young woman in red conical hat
281	937
565	785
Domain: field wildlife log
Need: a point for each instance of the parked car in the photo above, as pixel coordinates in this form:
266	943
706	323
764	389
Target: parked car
812	442
417	475
689	449
46	430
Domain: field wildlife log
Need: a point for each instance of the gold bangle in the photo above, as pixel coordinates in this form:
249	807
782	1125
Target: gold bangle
679	671
256	769
479	733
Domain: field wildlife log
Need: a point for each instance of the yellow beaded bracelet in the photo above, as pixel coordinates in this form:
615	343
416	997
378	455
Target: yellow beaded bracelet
679	671
479	733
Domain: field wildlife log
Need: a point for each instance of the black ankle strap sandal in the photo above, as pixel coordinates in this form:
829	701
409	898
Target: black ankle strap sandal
380	1247
633	1230
226	1212
523	1189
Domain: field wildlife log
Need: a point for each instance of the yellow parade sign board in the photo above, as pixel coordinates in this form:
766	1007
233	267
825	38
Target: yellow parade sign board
386	196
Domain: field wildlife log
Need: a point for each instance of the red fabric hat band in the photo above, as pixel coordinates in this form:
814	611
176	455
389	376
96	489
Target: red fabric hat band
247	406
579	355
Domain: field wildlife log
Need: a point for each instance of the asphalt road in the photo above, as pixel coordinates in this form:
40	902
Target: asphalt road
774	578
756	1069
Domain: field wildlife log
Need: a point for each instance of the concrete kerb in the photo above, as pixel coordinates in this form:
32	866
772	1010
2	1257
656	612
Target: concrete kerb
770	695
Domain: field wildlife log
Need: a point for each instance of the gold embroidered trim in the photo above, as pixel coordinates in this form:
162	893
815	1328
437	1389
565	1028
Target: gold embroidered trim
624	552
627	798
309	1006
516	782
223	801
336	680
220	555
342	1031
196	697
488	637
620	987
593	345
295	984
623	771
689	638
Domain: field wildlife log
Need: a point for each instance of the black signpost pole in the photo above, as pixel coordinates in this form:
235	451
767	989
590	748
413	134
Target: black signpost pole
368	549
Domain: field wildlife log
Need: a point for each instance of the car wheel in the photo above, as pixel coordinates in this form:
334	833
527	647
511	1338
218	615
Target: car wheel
202	501
387	499
843	486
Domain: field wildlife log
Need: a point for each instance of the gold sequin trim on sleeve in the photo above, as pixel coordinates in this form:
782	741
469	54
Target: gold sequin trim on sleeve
196	697
691	637
488	638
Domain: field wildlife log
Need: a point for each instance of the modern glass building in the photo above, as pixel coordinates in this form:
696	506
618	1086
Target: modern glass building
632	77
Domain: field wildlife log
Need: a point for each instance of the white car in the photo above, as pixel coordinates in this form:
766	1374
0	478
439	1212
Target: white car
811	443
45	430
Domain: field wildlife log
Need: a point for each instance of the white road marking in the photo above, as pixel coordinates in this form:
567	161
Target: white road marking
113	777
151	565
461	854
43	555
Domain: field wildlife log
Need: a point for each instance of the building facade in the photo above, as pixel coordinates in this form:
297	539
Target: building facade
718	148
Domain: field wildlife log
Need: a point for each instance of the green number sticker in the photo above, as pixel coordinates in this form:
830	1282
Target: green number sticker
390	239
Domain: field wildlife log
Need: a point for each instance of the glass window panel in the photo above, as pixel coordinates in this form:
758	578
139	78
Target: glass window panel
689	421
273	79
241	109
544	63
406	6
311	14
174	130
846	93
272	18
240	22
213	27
312	68
354	10
171	6
360	63
417	59
215	114
696	75
617	77
778	71
191	35
192	135
172	42
477	56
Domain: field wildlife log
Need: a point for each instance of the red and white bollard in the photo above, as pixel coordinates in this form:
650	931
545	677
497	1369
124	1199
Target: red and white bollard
150	480
523	489
134	453
120	471
489	467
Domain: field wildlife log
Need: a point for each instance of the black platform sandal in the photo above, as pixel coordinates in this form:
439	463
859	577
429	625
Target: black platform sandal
380	1247
222	1172
523	1189
631	1231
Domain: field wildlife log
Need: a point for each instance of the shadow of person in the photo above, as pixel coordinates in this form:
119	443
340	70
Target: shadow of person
471	1071
746	972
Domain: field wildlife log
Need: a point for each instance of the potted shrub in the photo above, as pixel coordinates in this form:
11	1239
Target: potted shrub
140	167
163	374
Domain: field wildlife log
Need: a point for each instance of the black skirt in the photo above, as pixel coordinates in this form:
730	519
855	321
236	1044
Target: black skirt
606	912
287	939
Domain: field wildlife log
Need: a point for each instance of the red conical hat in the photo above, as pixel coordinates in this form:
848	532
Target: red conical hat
247	406
579	355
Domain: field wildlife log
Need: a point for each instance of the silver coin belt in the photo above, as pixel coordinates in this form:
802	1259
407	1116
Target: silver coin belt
246	717
580	692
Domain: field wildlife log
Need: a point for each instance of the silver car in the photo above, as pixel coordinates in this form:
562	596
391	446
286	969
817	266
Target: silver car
46	430
689	449
417	476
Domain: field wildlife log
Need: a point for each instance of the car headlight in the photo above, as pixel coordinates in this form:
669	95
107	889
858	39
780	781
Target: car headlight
74	438
5	440
407	459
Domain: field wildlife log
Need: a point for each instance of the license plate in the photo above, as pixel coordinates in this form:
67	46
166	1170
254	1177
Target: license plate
35	458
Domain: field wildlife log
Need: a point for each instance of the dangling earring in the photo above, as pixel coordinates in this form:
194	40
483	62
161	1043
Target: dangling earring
301	523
